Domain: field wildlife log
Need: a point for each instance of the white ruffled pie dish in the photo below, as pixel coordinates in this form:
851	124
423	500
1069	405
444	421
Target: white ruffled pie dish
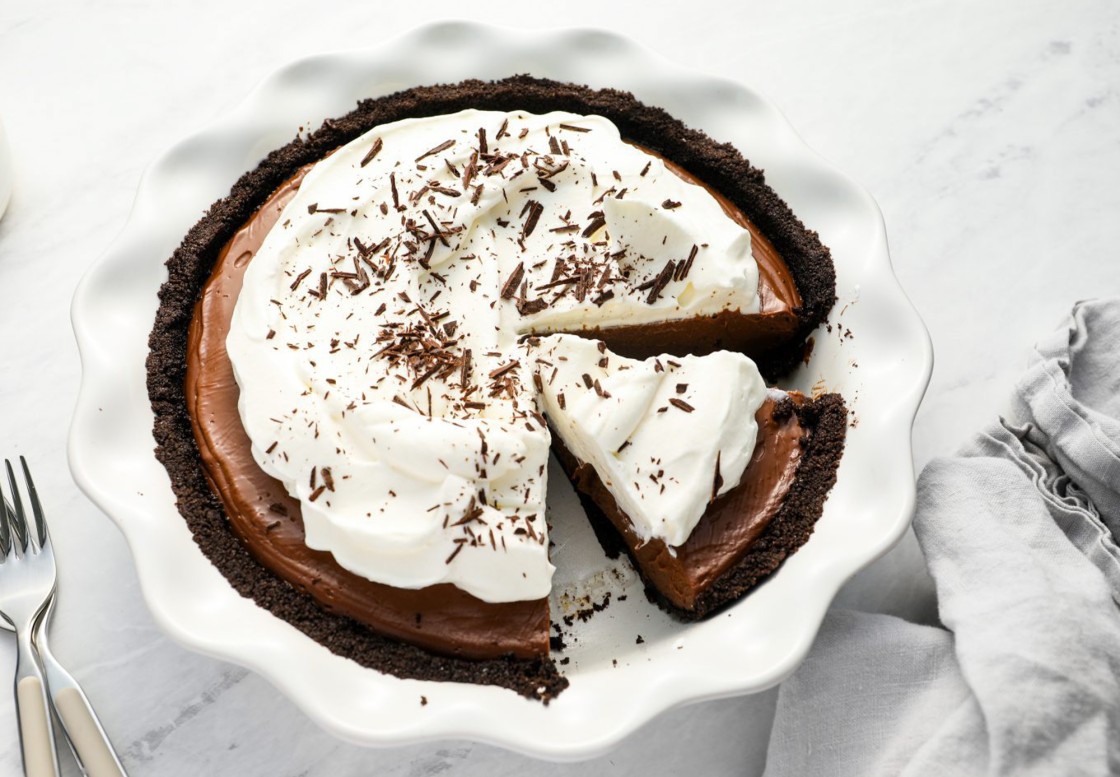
617	682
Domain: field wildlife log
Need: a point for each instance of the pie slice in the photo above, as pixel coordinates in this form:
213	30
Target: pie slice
689	460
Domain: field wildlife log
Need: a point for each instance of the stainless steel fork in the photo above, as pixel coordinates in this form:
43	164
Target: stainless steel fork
27	588
27	575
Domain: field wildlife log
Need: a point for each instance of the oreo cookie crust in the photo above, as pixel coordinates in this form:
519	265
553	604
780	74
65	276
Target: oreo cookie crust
720	165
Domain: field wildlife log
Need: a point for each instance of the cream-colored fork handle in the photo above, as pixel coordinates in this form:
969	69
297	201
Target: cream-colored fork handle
86	734
87	738
36	733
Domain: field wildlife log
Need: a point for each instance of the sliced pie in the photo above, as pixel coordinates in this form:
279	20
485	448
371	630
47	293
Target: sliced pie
354	350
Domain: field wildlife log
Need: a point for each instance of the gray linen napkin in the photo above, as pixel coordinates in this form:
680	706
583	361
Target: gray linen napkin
1020	533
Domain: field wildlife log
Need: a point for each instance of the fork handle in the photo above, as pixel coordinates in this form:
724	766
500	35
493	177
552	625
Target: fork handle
92	748
86	734
34	729
36	732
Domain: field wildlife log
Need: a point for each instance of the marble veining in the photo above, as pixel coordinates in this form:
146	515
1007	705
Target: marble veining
145	747
989	134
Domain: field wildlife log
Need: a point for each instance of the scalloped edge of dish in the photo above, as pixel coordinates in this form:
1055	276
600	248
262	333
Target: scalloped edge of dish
867	512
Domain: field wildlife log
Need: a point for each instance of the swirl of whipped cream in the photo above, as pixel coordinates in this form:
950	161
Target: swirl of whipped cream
378	339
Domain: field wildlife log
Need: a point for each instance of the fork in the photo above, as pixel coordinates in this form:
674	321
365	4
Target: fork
29	581
27	600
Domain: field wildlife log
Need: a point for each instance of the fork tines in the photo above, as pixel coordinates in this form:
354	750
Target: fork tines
14	519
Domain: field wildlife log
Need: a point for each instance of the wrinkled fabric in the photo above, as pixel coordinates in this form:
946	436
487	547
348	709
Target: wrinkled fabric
1019	530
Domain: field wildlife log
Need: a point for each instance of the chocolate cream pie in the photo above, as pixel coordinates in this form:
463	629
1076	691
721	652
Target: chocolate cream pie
364	355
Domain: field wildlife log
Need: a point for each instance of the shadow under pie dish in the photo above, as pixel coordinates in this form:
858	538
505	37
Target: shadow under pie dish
439	630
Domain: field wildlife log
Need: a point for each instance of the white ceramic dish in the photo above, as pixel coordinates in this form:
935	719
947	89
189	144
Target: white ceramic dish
616	684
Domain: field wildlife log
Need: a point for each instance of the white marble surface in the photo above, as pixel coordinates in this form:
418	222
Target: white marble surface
988	132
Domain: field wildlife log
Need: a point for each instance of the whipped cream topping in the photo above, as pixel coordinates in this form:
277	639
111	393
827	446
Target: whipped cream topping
376	338
666	435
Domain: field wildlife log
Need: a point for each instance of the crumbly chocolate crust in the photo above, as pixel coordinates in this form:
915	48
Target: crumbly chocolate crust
720	165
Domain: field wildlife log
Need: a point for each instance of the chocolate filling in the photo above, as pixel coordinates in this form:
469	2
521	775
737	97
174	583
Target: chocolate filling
192	263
